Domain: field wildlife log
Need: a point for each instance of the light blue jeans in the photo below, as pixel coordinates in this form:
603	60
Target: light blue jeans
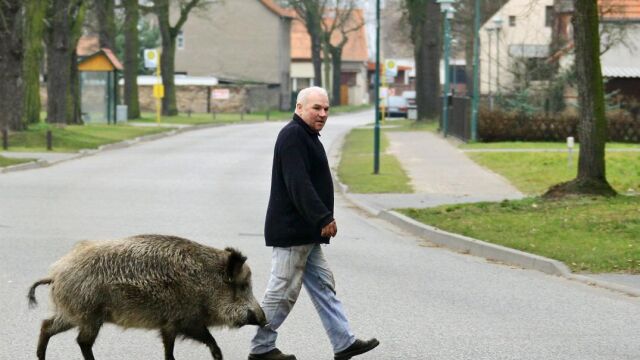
290	268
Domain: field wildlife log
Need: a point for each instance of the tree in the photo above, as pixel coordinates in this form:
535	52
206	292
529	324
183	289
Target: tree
343	20
426	34
104	11
65	20
310	12
35	11
11	58
592	130
131	60
169	33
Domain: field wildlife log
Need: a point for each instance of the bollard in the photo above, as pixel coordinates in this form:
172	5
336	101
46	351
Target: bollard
241	115
189	112
214	114
268	114
5	139
570	144
49	140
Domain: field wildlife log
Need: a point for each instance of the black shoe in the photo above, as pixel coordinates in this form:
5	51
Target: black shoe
274	354
357	348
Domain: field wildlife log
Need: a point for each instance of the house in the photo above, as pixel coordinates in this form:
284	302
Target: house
354	62
516	44
239	42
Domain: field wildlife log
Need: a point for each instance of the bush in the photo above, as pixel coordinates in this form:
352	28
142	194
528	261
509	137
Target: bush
517	126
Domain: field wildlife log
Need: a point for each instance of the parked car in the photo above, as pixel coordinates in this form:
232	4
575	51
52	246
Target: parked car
411	98
396	106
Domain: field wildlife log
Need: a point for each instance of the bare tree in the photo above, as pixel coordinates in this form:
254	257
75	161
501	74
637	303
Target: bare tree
592	130
310	12
11	58
426	34
342	22
169	33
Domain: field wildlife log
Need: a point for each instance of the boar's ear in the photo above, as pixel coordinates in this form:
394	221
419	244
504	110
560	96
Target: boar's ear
234	264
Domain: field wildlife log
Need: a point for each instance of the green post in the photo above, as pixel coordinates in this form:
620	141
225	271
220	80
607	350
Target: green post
475	100
376	128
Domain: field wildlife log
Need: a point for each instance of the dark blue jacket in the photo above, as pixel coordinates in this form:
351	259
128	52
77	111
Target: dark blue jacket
301	200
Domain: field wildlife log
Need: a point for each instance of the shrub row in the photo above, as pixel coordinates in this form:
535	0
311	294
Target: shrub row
505	126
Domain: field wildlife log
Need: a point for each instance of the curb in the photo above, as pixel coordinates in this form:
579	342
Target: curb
468	245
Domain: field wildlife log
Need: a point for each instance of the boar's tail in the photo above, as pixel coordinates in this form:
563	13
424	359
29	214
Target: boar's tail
32	291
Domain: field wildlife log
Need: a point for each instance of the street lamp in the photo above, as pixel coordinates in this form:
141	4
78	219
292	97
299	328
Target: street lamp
490	30
446	6
497	25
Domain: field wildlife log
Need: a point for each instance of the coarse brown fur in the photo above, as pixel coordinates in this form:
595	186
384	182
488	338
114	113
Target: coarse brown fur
159	282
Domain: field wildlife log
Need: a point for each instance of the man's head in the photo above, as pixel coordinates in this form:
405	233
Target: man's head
312	106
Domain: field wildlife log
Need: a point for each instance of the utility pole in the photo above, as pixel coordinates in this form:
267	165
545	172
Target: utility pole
475	101
376	128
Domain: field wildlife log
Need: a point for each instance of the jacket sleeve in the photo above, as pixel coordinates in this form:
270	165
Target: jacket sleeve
296	170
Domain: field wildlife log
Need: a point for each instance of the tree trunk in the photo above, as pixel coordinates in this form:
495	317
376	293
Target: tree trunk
35	11
131	60
104	10
314	30
58	62
592	130
427	34
336	59
167	59
326	60
11	58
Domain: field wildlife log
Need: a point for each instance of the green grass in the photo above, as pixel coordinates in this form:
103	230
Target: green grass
534	173
229	118
356	166
588	234
538	145
411	125
4	161
72	138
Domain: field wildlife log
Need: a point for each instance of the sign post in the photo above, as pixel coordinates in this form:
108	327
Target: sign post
151	60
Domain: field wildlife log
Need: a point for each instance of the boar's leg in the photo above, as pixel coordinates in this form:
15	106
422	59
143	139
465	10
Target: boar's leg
169	340
202	334
49	328
87	335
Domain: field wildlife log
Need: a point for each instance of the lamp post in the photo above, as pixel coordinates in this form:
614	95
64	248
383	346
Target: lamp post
476	73
497	25
376	128
446	6
489	34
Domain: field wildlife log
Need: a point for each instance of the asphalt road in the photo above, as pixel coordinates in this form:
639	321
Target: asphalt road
212	186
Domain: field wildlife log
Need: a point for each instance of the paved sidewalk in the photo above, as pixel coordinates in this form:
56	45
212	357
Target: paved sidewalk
440	174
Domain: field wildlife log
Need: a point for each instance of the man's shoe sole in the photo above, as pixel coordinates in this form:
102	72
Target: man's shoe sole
349	355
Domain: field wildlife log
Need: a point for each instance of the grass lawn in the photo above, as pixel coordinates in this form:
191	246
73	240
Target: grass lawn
227	118
356	166
11	161
72	138
410	125
534	173
588	234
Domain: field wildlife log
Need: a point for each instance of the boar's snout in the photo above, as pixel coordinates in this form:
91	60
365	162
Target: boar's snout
256	317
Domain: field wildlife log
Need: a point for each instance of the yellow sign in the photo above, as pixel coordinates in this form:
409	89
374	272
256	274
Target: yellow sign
158	91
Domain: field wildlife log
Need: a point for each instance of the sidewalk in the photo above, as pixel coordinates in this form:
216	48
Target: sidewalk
440	174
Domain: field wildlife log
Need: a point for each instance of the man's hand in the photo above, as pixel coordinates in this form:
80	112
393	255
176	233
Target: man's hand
330	230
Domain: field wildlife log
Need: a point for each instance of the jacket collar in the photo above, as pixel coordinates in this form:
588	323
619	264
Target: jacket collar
304	125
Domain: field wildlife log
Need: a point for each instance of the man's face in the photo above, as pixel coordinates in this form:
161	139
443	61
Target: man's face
314	111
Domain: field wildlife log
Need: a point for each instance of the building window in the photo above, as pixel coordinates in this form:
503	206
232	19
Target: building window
180	40
512	21
548	16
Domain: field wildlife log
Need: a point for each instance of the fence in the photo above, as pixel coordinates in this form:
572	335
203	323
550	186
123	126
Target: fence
458	124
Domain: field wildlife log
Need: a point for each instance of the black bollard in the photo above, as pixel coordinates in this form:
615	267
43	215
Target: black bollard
5	139
49	140
267	114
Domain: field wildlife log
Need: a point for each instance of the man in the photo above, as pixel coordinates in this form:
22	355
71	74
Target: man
299	219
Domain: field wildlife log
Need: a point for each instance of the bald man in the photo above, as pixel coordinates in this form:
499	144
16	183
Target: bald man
299	219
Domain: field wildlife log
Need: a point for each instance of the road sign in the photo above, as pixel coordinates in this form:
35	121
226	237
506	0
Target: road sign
220	94
158	91
151	58
391	67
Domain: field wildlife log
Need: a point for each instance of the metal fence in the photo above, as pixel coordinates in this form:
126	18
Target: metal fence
459	121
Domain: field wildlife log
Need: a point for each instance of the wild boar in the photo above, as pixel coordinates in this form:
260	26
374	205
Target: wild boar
159	282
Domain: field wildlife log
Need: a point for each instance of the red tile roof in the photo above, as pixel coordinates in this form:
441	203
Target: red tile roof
354	50
620	9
